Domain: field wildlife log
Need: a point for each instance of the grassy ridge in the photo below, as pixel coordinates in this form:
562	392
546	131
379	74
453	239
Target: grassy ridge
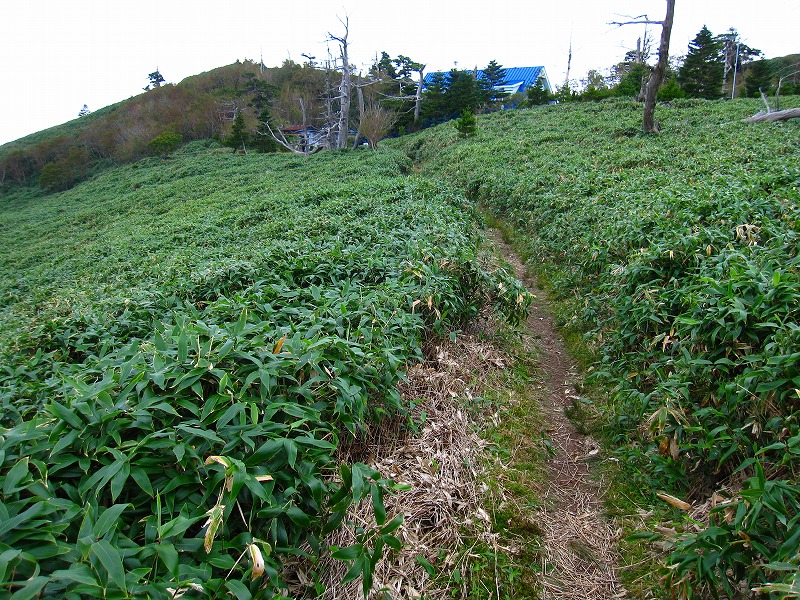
184	343
678	254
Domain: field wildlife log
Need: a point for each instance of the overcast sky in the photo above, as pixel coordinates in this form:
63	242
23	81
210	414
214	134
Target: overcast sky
59	55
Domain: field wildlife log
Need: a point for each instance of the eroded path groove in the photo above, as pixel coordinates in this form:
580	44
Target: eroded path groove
578	558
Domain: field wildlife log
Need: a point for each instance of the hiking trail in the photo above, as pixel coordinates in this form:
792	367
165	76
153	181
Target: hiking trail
578	555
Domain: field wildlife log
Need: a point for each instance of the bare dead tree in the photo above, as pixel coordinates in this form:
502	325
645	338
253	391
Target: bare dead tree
330	121
418	95
361	110
649	125
771	115
345	86
227	110
569	62
780	85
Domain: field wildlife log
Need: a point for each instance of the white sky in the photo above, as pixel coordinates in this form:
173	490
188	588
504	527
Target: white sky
58	55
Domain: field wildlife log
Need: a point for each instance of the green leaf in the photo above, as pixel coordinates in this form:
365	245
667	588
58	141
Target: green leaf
349	552
179	450
108	520
77	572
291	451
14	522
203	433
183	346
14	477
5	559
118	481
169	556
429	568
31	589
298	517
356	569
64	441
65	414
377	504
177	526
392	525
112	562
143	481
240	590
392	542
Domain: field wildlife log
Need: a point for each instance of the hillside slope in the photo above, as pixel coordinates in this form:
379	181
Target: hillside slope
677	255
183	345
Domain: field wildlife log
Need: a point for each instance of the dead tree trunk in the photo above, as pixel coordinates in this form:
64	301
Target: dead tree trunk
649	124
776	115
418	96
361	110
344	87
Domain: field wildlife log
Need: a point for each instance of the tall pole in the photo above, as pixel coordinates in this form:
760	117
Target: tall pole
735	68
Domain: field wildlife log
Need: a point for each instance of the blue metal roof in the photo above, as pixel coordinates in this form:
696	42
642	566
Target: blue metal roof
527	76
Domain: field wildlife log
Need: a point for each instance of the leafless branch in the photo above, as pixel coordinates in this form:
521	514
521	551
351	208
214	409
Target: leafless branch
282	140
640	20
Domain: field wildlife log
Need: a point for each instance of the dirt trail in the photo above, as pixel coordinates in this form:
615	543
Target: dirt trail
578	558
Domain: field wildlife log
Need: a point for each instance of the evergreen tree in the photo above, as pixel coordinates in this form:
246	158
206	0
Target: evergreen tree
495	75
385	66
448	95
630	83
263	140
434	99
702	72
759	75
537	95
238	137
671	90
467	124
155	80
464	92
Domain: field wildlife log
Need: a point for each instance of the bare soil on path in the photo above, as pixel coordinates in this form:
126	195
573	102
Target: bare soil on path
578	556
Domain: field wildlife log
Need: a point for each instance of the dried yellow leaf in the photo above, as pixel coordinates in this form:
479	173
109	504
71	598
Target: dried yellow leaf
279	345
673	448
222	460
214	522
676	502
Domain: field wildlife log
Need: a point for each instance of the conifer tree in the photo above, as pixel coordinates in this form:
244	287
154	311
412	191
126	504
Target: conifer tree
759	77
537	94
495	75
702	73
238	137
467	124
433	98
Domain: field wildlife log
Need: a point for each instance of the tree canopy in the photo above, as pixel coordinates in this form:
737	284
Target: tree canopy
702	72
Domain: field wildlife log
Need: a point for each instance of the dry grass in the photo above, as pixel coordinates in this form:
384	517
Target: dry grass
443	463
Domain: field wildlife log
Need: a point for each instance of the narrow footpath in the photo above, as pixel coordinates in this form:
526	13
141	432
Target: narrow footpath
578	556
